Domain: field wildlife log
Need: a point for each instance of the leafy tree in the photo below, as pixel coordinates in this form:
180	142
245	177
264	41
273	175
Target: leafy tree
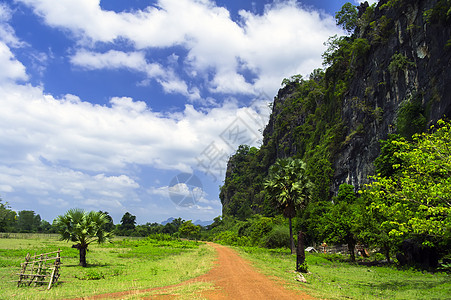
387	159
7	217
188	229
416	200
347	17
290	187
28	221
45	227
128	223
369	228
339	223
109	226
83	228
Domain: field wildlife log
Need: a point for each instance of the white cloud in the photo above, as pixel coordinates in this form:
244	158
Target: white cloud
71	134
110	60
7	34
285	40
12	69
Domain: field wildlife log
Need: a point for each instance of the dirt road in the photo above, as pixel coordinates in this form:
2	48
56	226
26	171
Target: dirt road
233	278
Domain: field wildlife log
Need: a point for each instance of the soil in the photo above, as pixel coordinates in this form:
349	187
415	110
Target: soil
233	278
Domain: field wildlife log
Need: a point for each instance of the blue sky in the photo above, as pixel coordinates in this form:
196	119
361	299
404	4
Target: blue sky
104	103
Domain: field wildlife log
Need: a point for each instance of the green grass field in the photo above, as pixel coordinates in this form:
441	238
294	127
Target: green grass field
120	266
341	280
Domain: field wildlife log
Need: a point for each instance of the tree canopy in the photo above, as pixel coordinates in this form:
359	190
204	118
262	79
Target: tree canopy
83	228
416	199
289	185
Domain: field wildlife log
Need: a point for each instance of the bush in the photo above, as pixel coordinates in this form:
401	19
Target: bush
279	237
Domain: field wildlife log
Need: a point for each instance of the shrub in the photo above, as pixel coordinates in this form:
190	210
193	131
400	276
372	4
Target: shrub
279	237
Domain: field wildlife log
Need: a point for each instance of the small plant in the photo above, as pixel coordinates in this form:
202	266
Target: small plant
91	275
303	268
399	62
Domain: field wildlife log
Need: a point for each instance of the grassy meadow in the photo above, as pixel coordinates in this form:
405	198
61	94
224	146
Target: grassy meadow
331	278
118	266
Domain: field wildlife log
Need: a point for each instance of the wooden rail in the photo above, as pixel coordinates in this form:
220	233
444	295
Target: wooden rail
39	269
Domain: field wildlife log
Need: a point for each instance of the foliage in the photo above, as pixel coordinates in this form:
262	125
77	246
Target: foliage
440	13
7	217
415	201
128	224
411	117
339	222
278	237
28	221
387	159
289	185
188	229
398	63
336	279
381	29
347	17
109	225
83	228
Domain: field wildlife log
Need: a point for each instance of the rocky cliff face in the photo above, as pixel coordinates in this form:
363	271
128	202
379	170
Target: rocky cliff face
381	87
397	79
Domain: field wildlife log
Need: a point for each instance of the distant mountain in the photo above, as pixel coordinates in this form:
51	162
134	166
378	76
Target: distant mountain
169	220
197	222
203	223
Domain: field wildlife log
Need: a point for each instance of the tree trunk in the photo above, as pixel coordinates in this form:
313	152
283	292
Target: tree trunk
300	252
82	251
351	247
387	253
291	237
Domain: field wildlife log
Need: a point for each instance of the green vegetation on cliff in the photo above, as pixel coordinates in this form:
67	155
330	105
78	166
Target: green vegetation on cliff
375	83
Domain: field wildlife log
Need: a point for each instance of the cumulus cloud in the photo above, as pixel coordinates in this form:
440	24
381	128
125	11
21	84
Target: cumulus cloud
286	39
12	69
65	147
63	151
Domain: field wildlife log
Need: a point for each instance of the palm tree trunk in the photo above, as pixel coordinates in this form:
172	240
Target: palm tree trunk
82	251
291	236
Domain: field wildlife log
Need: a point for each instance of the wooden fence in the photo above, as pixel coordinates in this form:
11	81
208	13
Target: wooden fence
40	269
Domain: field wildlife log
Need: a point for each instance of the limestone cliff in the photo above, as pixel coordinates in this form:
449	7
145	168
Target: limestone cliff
393	75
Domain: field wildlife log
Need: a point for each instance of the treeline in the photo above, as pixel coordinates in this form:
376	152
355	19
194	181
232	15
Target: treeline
27	221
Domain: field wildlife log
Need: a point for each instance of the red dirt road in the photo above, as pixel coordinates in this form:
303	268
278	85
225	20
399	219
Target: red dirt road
233	278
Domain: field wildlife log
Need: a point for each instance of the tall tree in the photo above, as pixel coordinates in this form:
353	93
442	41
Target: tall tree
7	217
289	185
415	201
109	226
339	223
128	223
83	228
188	229
28	221
347	17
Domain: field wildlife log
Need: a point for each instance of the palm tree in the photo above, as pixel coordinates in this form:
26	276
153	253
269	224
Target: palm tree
290	186
83	228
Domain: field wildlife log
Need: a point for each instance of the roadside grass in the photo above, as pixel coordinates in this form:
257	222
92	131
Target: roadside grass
119	266
335	279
